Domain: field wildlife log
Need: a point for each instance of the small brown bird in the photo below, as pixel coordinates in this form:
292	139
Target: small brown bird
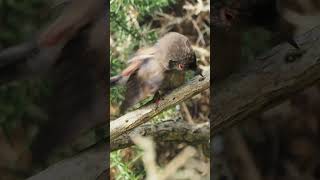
157	70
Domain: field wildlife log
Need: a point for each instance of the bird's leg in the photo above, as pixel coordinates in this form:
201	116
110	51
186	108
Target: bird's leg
157	98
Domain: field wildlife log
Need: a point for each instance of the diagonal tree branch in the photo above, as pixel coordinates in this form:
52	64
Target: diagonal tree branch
171	130
135	118
266	81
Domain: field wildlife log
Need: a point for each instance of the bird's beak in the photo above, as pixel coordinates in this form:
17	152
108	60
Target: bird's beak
198	71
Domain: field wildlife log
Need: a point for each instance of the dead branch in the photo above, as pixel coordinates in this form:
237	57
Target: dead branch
170	130
88	165
135	118
266	81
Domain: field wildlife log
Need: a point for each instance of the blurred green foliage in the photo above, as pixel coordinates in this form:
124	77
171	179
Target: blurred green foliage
128	170
19	21
122	13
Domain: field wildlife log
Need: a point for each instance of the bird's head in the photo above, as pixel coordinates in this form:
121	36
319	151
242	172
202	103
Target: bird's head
179	53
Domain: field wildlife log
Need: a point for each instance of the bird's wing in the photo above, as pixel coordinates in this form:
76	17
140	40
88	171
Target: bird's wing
143	82
137	60
133	65
133	92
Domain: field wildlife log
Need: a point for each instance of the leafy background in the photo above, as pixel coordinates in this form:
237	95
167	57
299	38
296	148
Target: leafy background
135	24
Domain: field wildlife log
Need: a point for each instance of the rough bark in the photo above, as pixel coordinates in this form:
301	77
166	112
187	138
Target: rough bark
265	82
89	165
171	130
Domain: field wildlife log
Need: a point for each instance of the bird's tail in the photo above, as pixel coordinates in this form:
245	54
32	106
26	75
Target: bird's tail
114	80
118	80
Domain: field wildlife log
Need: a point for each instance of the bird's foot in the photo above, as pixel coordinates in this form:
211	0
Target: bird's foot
157	102
156	99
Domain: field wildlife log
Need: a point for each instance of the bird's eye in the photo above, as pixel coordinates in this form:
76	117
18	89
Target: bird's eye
181	66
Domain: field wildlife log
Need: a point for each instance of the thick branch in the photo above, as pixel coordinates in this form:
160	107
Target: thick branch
171	130
265	81
88	165
142	115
